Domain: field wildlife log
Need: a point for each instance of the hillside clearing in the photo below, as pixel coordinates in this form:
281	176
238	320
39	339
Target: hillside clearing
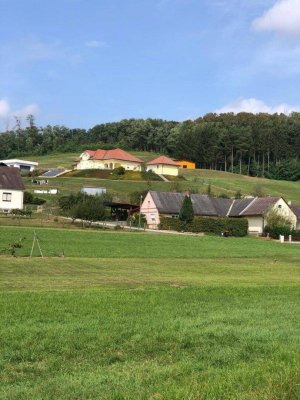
221	182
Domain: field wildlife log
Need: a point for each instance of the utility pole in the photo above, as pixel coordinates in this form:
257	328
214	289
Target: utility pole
141	199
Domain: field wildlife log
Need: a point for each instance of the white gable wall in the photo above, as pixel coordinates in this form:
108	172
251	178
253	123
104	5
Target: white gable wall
282	207
15	196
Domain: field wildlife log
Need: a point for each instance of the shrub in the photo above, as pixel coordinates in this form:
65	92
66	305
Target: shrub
91	210
234	226
137	220
224	196
277	224
38	201
21	213
119	171
28	198
278	230
238	194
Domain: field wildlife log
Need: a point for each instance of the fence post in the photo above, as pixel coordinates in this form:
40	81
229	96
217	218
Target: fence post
281	238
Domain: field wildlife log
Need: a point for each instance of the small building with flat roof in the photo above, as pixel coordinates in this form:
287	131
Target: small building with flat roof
23	165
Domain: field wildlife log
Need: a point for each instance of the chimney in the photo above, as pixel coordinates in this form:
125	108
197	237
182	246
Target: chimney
289	203
187	193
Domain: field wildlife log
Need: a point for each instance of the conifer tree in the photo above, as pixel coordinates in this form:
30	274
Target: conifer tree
186	212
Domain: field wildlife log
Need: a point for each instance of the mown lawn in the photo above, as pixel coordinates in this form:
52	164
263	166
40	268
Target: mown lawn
144	316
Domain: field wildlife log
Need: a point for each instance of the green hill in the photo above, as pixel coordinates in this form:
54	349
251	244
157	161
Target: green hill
197	180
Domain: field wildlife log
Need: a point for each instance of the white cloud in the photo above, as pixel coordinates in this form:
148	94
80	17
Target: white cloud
256	106
96	43
283	17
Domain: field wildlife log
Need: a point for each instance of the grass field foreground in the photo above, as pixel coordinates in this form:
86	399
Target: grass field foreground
144	316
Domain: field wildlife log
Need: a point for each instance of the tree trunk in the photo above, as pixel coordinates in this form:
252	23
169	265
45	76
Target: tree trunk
232	159
263	164
225	163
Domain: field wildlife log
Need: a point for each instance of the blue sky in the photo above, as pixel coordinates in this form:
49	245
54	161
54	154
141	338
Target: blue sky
83	62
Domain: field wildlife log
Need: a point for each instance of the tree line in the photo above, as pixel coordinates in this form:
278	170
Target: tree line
252	144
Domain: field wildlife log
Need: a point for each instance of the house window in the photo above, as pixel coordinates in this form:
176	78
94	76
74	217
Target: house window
152	216
279	206
174	216
6	196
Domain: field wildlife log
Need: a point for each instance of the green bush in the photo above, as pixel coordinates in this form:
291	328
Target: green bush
137	220
119	171
276	231
234	226
22	213
38	201
28	198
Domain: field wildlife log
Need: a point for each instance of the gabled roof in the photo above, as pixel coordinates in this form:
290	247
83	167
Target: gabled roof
203	205
238	206
162	160
259	206
170	203
296	210
114	154
10	179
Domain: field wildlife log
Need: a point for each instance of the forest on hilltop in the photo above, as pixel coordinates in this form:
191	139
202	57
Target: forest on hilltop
253	144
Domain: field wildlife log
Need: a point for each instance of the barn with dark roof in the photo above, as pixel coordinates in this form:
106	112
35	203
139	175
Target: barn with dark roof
254	209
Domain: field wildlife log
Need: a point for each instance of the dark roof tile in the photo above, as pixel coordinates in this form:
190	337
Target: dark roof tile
10	179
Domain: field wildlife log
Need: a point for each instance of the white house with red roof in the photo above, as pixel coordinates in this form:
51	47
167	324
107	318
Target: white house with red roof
108	159
163	165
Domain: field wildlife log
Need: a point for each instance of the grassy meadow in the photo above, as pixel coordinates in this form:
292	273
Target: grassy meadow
148	316
199	180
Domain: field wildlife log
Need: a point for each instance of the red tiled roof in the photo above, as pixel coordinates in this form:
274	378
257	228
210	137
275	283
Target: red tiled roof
259	205
163	160
90	152
115	154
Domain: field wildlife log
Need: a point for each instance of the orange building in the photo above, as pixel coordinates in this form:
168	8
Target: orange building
186	164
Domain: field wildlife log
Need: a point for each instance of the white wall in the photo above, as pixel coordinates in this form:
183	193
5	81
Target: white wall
163	169
256	224
16	199
108	164
149	209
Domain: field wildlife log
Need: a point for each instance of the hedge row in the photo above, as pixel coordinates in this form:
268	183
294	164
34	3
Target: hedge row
231	226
